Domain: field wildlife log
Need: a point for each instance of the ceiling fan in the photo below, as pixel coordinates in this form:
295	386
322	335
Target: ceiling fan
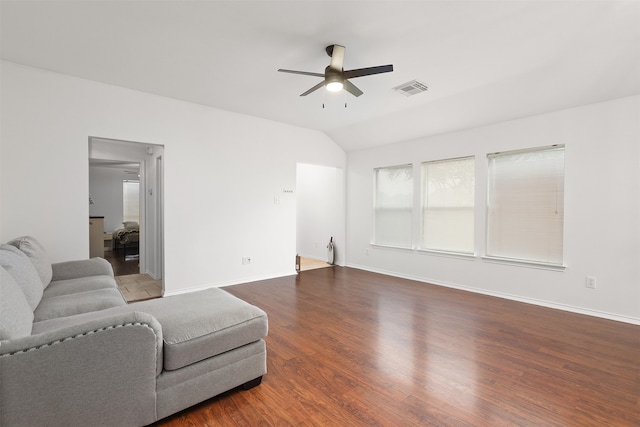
335	77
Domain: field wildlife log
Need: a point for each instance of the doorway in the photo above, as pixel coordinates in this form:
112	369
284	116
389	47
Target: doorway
116	168
114	207
320	215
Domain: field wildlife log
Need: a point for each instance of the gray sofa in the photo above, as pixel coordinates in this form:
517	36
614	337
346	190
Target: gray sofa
73	352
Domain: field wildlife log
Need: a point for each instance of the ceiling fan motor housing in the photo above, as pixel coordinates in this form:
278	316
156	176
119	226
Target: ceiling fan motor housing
331	75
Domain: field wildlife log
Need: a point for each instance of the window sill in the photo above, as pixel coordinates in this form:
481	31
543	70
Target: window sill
397	248
525	263
459	255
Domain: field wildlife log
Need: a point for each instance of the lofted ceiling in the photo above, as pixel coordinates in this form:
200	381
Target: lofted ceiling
483	61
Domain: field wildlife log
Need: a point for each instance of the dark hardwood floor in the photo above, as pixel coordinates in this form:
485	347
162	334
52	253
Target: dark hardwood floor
122	265
352	348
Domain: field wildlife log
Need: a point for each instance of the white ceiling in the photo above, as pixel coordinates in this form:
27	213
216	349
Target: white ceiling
484	61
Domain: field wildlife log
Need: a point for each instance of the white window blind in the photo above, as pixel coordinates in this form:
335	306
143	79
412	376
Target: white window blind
393	205
448	205
525	215
131	201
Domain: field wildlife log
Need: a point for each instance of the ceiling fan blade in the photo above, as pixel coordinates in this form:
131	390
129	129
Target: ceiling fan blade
352	89
337	57
360	72
313	89
305	73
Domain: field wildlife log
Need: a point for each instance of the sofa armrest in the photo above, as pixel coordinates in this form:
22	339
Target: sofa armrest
81	268
100	372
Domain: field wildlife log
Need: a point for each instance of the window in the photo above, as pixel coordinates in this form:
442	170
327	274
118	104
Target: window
448	205
393	205
526	205
131	201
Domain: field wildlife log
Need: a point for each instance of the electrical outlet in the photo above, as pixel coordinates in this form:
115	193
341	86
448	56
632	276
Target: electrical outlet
590	282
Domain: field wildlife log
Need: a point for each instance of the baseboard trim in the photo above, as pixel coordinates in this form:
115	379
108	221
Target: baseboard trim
542	303
229	283
150	274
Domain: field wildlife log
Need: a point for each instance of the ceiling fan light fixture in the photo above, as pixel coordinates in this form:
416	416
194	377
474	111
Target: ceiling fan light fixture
333	81
335	86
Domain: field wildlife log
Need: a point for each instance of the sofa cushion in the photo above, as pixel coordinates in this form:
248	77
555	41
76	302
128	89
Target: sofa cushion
76	303
37	255
23	272
213	322
82	284
81	268
16	316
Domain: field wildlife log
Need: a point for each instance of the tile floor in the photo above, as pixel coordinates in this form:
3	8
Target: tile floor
312	264
138	287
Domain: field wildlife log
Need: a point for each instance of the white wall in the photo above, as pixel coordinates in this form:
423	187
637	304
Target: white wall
221	173
602	210
321	212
